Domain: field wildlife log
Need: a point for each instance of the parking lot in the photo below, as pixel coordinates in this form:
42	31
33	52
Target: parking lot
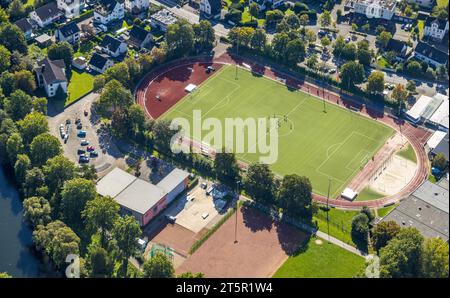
107	154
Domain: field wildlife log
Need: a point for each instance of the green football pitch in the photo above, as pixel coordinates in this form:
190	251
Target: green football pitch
317	141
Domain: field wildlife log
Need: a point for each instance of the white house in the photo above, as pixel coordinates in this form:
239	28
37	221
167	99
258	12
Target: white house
137	6
108	11
112	46
51	76
100	63
378	9
423	3
71	8
162	19
435	28
69	32
211	8
46	14
263	4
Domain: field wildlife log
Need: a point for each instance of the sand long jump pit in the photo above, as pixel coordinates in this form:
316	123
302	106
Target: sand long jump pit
262	247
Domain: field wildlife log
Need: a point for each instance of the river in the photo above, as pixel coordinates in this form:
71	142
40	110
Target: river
16	245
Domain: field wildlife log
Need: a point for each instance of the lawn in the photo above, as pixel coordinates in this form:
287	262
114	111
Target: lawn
382	212
324	143
368	194
321	261
340	223
80	84
383	63
408	153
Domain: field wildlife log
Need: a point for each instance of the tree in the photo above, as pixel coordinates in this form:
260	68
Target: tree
34	184
24	80
18	104
57	240
435	258
180	39
14	146
226	167
279	44
61	50
159	266
40	105
22	165
349	51
402	256
304	20
293	21
37	211
312	61
119	72
253	9
162	134
32	125
100	214
5	59
383	233
273	17
383	38
300	7
259	183
75	195
325	41
13	38
295	196
411	86
204	33
4	17
310	36
325	19
440	161
189	274
234	15
351	73
44	147
5	275
99	264
126	231
241	35
375	82
295	51
360	230
413	68
58	170
16	10
400	95
364	54
258	40
113	97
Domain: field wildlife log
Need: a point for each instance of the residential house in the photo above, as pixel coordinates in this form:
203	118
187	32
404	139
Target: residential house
46	14
399	47
112	46
51	75
211	8
68	32
108	11
100	62
137	6
263	4
43	40
435	28
430	54
162	19
71	8
79	63
378	9
423	3
139	37
26	27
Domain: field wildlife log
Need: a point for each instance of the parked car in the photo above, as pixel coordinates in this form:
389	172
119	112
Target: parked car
81	151
90	148
203	185
209	190
332	70
83	159
84	142
93	154
85	112
79	125
81	133
66	138
171	218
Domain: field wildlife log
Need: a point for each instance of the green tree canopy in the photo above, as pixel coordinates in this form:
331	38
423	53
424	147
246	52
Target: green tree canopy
37	211
295	196
44	147
158	266
383	232
259	183
126	232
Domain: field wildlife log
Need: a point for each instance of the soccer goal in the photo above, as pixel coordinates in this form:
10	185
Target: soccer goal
158	248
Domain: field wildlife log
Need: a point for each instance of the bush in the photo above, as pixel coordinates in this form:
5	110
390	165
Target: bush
300	7
252	23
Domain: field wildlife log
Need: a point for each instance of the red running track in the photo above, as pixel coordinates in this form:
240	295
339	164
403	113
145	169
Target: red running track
170	80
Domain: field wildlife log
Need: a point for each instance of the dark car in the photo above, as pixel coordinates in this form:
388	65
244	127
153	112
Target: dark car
81	133
81	151
84	159
93	154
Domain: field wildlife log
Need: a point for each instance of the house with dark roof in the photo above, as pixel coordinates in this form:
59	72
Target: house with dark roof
112	46
211	9
68	32
139	37
51	75
108	11
426	210
46	14
100	62
435	28
430	54
399	47
26	27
